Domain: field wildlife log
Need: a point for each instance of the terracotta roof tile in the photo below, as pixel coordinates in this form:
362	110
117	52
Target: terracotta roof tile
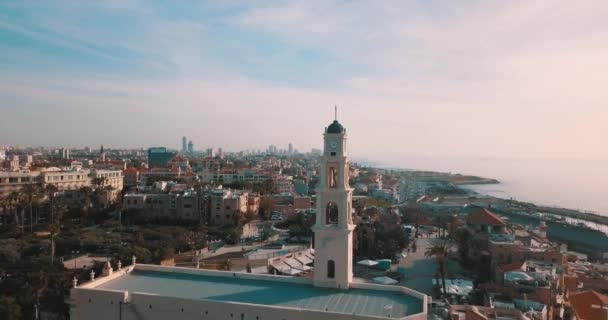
484	217
511	267
583	304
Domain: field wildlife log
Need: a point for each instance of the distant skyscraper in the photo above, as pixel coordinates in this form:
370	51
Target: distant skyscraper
290	148
65	153
102	153
14	162
184	144
190	147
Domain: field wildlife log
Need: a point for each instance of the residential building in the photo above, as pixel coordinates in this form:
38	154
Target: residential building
283	184
65	179
227	206
131	177
15	181
485	221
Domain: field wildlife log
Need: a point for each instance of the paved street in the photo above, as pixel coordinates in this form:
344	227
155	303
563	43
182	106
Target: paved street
420	270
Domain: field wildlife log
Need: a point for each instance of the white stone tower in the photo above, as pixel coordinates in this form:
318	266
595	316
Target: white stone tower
334	227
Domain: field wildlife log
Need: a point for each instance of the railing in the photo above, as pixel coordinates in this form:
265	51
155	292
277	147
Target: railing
270	255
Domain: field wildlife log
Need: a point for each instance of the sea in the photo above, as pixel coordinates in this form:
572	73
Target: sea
566	183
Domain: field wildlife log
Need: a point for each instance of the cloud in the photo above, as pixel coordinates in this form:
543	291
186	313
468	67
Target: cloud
517	78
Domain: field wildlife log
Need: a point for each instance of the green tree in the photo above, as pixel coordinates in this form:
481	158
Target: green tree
463	238
249	216
440	251
86	201
9	308
226	265
266	205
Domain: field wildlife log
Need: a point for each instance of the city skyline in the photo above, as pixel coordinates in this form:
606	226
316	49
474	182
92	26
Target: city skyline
517	79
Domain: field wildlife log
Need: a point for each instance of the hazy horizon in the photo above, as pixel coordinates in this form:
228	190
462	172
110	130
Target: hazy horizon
517	79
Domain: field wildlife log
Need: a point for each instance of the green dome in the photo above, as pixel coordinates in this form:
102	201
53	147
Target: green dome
335	127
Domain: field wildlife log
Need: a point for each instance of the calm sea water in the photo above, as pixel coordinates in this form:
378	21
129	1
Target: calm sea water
567	183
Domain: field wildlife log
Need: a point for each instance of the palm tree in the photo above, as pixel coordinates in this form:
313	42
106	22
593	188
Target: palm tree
4	204
55	227
440	251
15	201
31	194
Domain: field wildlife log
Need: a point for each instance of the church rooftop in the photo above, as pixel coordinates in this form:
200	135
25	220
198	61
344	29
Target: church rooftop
244	288
335	127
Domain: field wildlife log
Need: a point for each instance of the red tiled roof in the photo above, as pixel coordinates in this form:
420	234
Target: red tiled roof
484	217
511	267
585	304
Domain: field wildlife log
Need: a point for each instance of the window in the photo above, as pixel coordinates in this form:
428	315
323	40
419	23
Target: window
331	214
332	176
331	269
187	206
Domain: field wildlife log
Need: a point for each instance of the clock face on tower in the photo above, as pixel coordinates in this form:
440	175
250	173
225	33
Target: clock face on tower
333	144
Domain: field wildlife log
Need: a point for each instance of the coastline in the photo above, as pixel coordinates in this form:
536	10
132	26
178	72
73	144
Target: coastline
461	181
556	210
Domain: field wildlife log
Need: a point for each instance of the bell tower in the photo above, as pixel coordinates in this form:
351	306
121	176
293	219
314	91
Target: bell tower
334	227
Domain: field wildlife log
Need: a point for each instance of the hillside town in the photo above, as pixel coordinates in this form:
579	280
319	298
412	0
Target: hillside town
70	214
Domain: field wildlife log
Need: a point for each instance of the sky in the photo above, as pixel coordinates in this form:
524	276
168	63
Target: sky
520	79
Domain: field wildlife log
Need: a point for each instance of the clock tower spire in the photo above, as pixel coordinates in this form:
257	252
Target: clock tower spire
334	227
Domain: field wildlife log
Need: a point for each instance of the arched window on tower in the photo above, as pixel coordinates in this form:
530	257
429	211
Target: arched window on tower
331	214
331	269
332	176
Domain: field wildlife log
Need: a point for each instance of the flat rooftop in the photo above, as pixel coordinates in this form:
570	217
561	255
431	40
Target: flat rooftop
367	302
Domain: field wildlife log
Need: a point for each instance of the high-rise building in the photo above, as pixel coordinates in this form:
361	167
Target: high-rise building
160	156
290	150
210	152
65	153
190	147
184	144
14	162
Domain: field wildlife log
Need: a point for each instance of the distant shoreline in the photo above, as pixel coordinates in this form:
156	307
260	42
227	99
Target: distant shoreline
561	211
462	181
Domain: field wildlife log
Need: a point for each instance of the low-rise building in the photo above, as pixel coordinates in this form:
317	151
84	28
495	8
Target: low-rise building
15	181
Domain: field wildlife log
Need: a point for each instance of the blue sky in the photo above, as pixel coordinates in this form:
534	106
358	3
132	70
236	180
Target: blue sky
436	78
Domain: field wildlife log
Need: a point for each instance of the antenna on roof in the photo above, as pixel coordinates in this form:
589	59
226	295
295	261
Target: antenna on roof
336	111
